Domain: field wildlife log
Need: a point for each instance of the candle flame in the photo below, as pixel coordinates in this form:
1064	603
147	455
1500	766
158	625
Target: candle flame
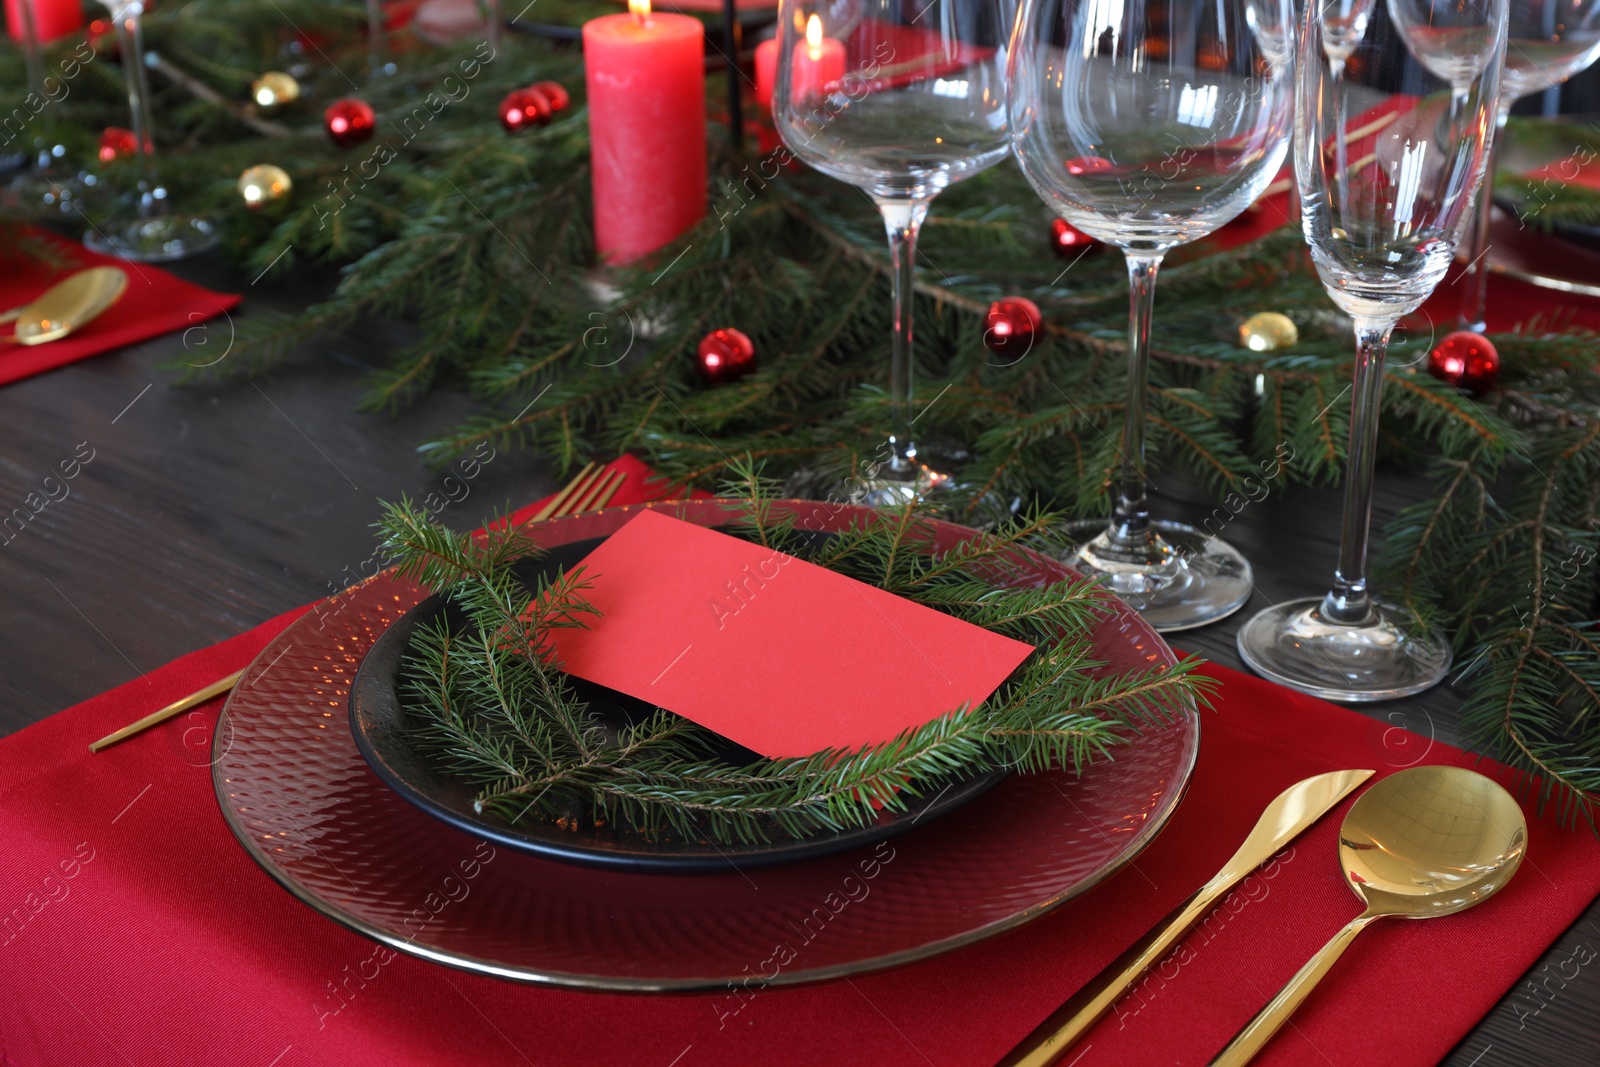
639	8
813	37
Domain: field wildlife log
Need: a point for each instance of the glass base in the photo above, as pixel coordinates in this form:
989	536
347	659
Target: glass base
891	489
155	240
33	192
1293	645
1181	580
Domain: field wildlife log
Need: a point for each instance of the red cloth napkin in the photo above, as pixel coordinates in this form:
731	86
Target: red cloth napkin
133	928
155	303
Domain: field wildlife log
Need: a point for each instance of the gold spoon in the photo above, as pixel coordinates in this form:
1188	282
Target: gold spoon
67	305
1423	842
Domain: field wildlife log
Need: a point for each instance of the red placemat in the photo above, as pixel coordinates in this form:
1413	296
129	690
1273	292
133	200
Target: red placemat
134	929
155	303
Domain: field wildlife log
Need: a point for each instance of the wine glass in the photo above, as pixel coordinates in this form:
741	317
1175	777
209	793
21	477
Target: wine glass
1149	126
1412	107
158	234
42	182
1547	42
900	100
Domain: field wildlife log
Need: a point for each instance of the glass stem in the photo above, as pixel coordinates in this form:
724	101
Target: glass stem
32	59
491	17
375	37
902	219
130	38
1475	278
1130	515
1348	602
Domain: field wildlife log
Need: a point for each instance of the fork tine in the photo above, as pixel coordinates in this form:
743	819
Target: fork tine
586	500
605	497
559	501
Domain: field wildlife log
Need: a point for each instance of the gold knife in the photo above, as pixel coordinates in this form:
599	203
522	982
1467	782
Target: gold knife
1294	809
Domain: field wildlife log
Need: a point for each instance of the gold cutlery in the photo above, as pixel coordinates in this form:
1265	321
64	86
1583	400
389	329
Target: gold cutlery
1284	819
178	707
592	489
68	305
1423	842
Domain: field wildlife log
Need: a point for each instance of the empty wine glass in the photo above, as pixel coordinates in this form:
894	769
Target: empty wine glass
900	100
1547	42
158	234
43	182
1149	126
1412	107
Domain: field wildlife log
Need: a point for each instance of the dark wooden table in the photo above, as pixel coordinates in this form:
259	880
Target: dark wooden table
206	510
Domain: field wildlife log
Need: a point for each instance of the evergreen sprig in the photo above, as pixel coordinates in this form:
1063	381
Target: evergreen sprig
491	704
480	242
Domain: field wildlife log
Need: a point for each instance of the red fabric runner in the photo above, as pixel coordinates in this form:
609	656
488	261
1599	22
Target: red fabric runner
133	929
155	303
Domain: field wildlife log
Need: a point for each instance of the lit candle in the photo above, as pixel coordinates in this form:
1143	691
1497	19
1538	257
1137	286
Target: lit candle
52	19
818	64
647	128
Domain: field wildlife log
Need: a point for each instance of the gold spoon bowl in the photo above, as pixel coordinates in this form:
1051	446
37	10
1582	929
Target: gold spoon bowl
68	305
1424	842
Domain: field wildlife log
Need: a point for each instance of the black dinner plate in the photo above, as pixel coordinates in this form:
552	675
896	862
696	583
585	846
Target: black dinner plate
378	722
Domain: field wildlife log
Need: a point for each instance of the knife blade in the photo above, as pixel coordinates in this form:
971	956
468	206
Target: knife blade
1289	814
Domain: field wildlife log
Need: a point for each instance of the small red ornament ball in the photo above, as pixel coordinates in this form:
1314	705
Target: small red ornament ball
1069	241
117	143
556	93
524	108
725	355
1466	360
349	121
1010	327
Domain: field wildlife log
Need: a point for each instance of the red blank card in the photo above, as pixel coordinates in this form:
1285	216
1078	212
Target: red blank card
773	653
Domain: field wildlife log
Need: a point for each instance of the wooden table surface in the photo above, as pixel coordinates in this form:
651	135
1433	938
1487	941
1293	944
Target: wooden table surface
207	510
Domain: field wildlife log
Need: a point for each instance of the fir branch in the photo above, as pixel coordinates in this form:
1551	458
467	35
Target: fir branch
492	706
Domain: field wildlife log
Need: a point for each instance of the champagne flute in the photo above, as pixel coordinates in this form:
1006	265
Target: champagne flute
1421	88
1547	42
900	100
1149	127
157	235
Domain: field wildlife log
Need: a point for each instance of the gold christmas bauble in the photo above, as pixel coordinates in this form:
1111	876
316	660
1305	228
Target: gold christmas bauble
263	184
274	88
1268	331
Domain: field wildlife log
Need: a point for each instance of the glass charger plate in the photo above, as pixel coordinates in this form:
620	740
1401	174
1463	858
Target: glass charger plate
296	792
378	722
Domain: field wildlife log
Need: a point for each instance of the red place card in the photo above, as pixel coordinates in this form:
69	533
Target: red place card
776	654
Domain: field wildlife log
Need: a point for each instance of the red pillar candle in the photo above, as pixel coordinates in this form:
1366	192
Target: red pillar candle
647	128
818	64
52	19
766	71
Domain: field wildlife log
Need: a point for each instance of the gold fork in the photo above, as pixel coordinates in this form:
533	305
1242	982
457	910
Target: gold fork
591	490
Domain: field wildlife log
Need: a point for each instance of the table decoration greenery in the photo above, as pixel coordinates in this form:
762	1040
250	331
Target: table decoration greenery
491	705
479	240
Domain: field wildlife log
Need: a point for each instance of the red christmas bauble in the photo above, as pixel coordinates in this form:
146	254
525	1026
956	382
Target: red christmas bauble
524	108
102	36
556	93
1466	360
725	355
1069	241
349	121
1010	327
117	143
